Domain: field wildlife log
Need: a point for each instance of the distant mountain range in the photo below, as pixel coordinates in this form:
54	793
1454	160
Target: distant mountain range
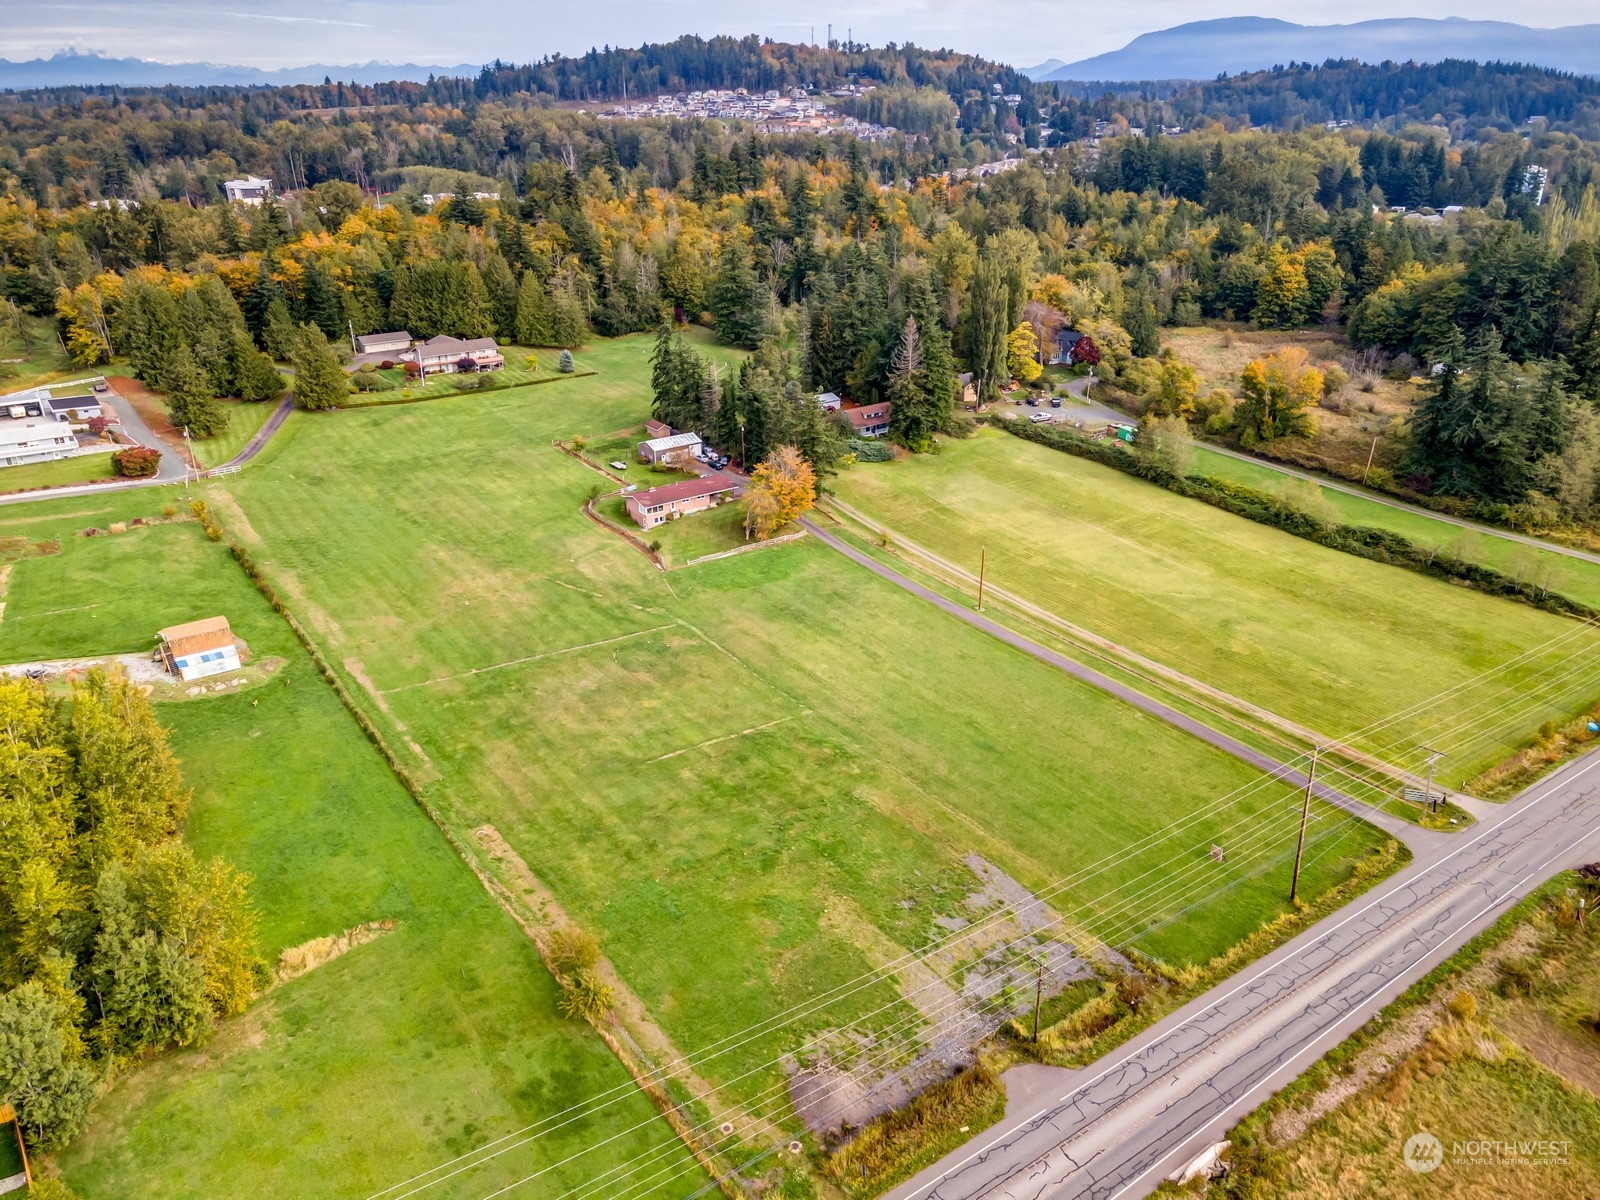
1205	49
68	69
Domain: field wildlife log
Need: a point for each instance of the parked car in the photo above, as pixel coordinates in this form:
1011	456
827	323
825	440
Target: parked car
1033	402
1039	418
618	465
100	385
1055	401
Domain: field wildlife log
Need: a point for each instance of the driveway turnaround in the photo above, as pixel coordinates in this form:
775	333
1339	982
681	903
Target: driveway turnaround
172	470
1118	1128
1401	830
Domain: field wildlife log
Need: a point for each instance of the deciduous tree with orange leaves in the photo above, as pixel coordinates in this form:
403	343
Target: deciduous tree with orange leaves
780	489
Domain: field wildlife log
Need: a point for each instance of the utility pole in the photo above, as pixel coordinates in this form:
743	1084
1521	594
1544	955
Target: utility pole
1038	992
188	462
1305	813
983	562
1433	757
352	326
1370	453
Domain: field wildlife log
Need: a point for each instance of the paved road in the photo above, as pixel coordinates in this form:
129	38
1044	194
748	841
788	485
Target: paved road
1406	832
1389	502
1118	1128
171	470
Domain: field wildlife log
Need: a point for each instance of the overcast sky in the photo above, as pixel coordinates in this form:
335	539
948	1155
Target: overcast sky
279	33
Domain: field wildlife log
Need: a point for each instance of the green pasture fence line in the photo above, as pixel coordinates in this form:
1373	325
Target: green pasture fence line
1377	545
451	395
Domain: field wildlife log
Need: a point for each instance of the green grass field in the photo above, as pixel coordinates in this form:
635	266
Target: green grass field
243	422
709	767
1325	638
1572	576
405	1052
83	469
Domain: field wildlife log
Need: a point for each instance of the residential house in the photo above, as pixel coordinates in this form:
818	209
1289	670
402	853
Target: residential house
38	402
395	343
198	648
677	448
869	420
248	190
657	505
1066	341
34	440
444	353
969	390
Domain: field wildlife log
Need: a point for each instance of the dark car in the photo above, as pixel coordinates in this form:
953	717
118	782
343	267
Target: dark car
1055	401
1033	402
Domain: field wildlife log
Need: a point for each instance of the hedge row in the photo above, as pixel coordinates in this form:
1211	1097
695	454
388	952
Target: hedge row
1379	545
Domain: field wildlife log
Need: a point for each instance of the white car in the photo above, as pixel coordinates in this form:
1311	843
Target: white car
1039	419
618	465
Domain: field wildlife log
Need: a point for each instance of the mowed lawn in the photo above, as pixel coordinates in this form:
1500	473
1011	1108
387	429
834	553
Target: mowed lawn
398	1056
724	770
1328	639
1560	572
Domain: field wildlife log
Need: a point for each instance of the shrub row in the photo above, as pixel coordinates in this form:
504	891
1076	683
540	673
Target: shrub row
1379	545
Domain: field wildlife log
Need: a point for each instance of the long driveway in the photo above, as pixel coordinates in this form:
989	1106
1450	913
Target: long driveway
1406	832
1390	502
1121	1126
171	470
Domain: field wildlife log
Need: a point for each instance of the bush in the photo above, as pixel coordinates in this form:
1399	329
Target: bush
531	362
573	950
136	462
958	424
564	364
866	451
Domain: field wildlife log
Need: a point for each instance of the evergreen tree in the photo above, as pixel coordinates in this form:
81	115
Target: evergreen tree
986	329
192	403
279	333
533	312
258	300
319	301
441	297
258	377
319	380
132	794
913	419
270	227
677	382
501	287
151	329
1139	318
569	326
40	1075
738	310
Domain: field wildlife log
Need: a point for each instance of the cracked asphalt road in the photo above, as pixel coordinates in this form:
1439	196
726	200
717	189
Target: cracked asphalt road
1119	1127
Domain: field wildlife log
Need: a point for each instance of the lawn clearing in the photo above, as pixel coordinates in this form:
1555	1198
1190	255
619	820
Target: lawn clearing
244	421
1323	638
402	1053
83	469
749	779
1570	576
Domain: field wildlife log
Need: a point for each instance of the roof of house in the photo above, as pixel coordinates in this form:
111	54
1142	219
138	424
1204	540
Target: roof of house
445	344
367	340
191	637
869	414
706	485
825	398
677	441
1070	337
32	429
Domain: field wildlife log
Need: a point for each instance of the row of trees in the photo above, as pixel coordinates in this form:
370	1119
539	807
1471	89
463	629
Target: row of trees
114	939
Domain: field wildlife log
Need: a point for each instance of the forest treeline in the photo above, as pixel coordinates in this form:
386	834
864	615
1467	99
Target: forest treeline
854	267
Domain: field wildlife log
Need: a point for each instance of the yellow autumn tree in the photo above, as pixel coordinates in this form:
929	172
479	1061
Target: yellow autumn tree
780	489
1022	354
1277	392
